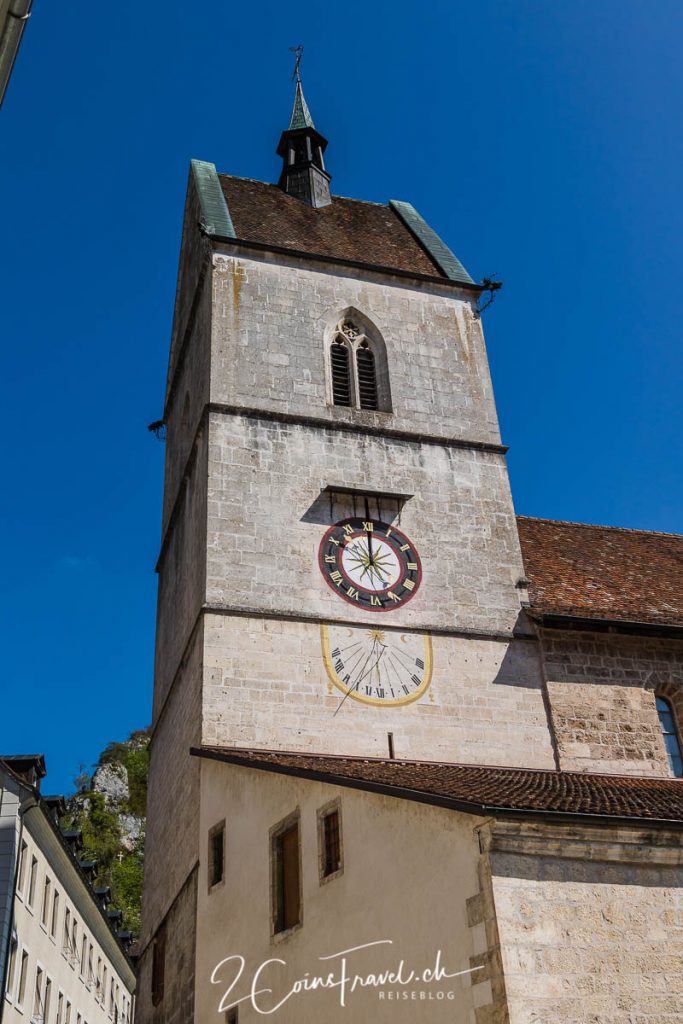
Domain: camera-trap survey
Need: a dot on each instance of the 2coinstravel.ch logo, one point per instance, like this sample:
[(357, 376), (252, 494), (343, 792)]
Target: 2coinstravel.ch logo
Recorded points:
[(268, 987)]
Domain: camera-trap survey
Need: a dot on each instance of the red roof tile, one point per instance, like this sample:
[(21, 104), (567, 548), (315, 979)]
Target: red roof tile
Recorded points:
[(477, 789), (603, 572), (346, 230)]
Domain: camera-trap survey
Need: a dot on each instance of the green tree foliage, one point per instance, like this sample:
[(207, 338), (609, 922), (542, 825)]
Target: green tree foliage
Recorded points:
[(102, 823)]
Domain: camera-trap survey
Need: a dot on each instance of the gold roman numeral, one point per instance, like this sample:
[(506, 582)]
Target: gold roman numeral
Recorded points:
[(337, 577), (409, 585), (412, 566)]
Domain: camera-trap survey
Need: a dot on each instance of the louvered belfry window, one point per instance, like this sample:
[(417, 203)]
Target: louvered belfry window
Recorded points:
[(341, 372), (367, 377), (354, 368)]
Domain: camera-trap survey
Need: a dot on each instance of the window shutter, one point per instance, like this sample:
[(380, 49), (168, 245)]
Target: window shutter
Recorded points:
[(290, 864), (367, 378), (287, 867), (341, 377)]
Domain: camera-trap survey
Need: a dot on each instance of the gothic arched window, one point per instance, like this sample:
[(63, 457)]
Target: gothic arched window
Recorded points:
[(672, 745), (340, 365), (358, 367)]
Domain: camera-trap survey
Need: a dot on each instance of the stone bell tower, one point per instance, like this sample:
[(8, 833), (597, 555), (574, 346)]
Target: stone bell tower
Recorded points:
[(339, 566)]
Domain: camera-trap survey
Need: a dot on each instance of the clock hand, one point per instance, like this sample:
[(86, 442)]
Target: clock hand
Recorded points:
[(372, 561), (363, 673)]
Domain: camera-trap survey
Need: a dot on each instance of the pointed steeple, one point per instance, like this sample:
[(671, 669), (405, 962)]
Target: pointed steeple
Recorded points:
[(301, 148), (301, 115)]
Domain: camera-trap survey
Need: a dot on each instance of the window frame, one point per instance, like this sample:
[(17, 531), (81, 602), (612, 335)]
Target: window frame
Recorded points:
[(278, 928), (674, 731), (54, 913), (11, 968), (21, 869), (331, 807), (22, 977), (158, 979), (354, 331), (217, 830), (32, 883)]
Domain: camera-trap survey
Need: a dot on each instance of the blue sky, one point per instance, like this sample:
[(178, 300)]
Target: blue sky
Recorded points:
[(541, 139)]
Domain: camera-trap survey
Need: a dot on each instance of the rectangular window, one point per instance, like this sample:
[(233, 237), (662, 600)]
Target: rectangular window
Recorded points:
[(330, 848), (216, 855), (158, 966), (90, 976), (84, 953), (45, 908), (67, 1013), (98, 984), (55, 914), (231, 1016), (287, 894), (21, 873), (66, 939), (46, 1001), (9, 987), (331, 843), (33, 877), (23, 975), (59, 1019), (38, 995)]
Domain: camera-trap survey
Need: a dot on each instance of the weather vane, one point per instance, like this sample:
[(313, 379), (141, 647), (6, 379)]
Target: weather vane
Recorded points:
[(298, 50)]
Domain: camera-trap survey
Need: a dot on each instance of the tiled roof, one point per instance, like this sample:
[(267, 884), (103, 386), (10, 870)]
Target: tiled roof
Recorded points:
[(346, 230), (603, 572), (477, 789)]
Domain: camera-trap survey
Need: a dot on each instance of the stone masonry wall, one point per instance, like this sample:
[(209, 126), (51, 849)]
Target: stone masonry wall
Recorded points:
[(177, 1005), (265, 685), (590, 923), (182, 575), (267, 515), (602, 693), (272, 319), (171, 844)]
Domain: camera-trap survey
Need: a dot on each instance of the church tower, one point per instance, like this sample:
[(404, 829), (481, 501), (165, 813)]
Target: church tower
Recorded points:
[(342, 631), (339, 569)]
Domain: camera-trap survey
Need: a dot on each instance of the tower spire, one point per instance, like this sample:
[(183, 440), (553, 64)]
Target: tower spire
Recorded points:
[(301, 115), (301, 148)]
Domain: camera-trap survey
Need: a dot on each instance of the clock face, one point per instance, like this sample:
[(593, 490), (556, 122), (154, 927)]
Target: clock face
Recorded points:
[(370, 564), (377, 666)]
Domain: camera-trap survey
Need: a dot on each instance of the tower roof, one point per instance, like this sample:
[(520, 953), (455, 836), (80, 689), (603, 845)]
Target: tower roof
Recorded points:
[(301, 115)]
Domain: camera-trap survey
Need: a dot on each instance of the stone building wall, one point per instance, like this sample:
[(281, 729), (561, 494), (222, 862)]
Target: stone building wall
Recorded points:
[(428, 855), (171, 844), (602, 692), (180, 922), (272, 320), (590, 921), (265, 685), (267, 516)]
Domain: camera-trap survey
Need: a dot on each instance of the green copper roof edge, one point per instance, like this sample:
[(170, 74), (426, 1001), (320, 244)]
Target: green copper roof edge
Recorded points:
[(437, 249), (216, 219)]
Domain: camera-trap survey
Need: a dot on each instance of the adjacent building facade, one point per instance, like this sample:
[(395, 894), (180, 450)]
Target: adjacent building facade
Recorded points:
[(390, 717), (61, 961)]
